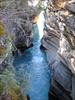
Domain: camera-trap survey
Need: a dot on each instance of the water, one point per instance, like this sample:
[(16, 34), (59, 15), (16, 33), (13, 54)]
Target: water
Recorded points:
[(32, 70)]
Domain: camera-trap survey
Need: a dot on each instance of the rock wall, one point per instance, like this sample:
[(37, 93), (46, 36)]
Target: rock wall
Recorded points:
[(59, 41), (16, 19), (17, 16)]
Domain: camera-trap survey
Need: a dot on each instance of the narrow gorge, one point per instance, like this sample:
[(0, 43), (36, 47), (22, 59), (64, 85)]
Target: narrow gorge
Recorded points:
[(37, 50)]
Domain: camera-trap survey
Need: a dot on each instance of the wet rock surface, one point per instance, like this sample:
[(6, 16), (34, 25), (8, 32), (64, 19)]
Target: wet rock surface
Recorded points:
[(59, 41)]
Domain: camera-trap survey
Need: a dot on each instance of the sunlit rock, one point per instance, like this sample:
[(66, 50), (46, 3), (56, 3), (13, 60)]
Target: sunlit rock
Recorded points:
[(59, 3)]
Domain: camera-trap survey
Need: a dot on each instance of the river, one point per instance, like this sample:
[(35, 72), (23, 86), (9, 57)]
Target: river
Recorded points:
[(32, 70)]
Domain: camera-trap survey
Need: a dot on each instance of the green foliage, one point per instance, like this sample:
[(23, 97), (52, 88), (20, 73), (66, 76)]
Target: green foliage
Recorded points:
[(2, 30), (8, 84), (6, 47), (1, 87)]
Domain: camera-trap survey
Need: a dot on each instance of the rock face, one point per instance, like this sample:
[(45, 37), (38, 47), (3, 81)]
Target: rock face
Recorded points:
[(59, 41), (15, 33), (71, 7), (18, 19), (23, 36)]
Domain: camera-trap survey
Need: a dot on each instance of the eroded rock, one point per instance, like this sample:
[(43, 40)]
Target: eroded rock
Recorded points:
[(59, 40)]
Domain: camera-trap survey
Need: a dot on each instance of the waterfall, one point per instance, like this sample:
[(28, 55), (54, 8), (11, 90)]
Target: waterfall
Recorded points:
[(40, 24)]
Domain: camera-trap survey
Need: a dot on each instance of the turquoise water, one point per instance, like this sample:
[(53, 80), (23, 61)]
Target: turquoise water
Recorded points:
[(32, 70)]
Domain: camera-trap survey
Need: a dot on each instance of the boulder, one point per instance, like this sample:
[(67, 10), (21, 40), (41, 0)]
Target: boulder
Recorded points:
[(23, 34)]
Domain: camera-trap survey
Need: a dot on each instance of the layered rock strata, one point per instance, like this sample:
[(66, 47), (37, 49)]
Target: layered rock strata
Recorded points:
[(59, 41), (18, 19)]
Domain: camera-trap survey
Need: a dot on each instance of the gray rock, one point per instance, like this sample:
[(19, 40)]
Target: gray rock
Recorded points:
[(23, 34), (56, 32), (63, 76), (71, 7), (70, 22), (73, 87)]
